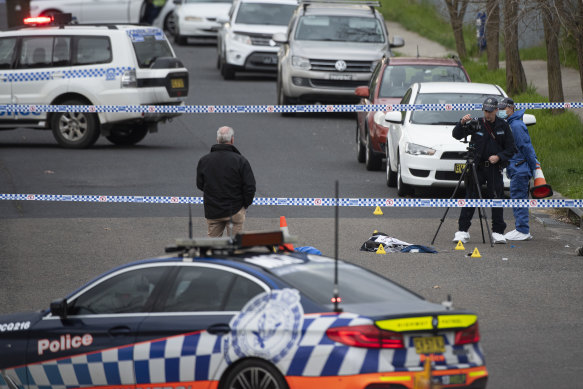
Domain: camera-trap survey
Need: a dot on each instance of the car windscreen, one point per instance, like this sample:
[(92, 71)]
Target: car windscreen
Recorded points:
[(339, 28), (265, 14), (445, 116), (149, 48), (397, 79), (356, 285)]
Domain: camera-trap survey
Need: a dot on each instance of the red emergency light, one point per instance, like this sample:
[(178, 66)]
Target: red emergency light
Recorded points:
[(38, 20)]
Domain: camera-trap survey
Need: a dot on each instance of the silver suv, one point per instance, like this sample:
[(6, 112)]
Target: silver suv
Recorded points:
[(330, 48)]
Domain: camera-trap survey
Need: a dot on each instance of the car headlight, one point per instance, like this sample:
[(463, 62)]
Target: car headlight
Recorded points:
[(245, 39), (193, 19), (414, 149), (301, 62)]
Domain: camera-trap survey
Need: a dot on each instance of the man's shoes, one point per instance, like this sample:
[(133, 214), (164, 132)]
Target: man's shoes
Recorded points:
[(462, 236), (517, 235), (498, 238)]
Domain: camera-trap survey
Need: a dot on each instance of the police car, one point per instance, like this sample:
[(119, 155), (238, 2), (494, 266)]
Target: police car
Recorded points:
[(112, 65), (221, 313)]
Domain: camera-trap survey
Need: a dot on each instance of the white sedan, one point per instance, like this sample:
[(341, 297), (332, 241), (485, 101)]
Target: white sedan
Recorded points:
[(421, 151), (103, 11), (199, 18)]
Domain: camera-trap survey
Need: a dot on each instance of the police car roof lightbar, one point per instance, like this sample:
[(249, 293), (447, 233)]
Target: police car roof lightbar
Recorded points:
[(241, 241), (352, 2), (59, 19)]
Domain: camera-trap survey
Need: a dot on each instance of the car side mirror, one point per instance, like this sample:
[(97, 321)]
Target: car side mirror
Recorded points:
[(362, 91), (529, 120), (279, 37), (379, 118), (397, 41), (394, 117), (59, 308)]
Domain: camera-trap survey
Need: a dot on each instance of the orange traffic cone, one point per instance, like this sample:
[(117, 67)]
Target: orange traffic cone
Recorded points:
[(284, 229), (541, 189)]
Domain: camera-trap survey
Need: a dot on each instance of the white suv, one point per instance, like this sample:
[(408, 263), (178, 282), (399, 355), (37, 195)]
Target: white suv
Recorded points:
[(244, 41), (115, 65)]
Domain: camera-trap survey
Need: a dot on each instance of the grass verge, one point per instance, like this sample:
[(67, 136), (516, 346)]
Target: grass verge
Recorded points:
[(557, 139)]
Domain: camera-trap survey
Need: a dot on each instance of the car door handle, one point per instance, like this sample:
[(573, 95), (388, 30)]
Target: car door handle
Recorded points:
[(57, 75), (119, 331), (219, 329)]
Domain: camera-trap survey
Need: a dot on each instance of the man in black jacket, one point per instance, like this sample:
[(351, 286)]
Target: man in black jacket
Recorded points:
[(228, 185), (492, 145)]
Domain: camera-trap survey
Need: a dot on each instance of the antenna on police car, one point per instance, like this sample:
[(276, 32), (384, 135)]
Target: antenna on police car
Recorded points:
[(189, 222), (336, 299)]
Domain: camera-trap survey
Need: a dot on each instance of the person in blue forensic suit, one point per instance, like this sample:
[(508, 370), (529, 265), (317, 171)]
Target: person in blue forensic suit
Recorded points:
[(521, 167)]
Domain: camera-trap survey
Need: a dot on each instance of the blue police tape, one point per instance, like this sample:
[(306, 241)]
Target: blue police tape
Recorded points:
[(15, 109), (311, 201)]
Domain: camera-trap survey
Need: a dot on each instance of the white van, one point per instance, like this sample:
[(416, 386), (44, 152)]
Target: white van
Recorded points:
[(114, 65)]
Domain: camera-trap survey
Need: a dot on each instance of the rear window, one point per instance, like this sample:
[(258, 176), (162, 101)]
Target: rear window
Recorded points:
[(265, 14), (397, 79), (356, 285), (93, 50), (149, 48), (340, 28), (447, 117)]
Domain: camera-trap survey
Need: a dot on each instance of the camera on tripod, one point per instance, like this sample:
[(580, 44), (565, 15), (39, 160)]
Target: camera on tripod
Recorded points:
[(472, 126)]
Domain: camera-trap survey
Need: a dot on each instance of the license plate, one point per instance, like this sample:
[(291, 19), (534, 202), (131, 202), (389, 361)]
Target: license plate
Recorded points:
[(429, 345), (459, 168), (177, 83), (455, 379), (341, 77)]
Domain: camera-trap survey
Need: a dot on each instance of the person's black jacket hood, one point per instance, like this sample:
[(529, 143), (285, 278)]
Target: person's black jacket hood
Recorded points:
[(227, 181)]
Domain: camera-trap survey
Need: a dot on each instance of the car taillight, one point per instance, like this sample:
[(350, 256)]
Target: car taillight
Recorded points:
[(128, 79), (468, 335), (367, 336), (38, 20)]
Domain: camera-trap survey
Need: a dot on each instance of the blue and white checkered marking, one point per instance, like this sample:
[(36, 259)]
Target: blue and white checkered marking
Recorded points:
[(107, 73), (312, 201), (100, 72)]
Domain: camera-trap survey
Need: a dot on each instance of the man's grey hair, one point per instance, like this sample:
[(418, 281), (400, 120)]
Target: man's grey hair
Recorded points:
[(225, 134)]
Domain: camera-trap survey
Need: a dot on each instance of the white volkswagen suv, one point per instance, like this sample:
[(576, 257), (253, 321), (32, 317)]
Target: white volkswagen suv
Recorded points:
[(244, 42), (420, 150), (113, 65)]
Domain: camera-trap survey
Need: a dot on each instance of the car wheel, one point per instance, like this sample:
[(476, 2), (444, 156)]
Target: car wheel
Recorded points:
[(360, 150), (282, 99), (227, 71), (402, 188), (371, 160), (75, 130), (126, 136), (391, 175), (179, 39), (170, 23), (254, 374)]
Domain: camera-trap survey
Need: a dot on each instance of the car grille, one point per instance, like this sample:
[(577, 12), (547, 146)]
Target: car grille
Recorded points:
[(454, 155), (262, 40), (351, 66), (336, 83)]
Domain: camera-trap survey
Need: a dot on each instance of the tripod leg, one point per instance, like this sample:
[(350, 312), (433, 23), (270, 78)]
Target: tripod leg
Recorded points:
[(477, 183), (459, 182), (481, 225)]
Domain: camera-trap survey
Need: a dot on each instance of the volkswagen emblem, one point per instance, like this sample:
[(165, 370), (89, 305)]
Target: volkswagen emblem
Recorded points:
[(340, 66)]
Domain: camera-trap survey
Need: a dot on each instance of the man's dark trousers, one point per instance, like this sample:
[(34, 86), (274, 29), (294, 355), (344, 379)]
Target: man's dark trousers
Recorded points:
[(492, 176)]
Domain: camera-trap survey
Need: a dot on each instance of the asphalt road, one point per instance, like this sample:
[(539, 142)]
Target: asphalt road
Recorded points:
[(528, 295)]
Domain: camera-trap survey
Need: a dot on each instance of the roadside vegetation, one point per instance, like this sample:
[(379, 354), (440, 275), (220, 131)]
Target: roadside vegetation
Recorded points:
[(557, 139)]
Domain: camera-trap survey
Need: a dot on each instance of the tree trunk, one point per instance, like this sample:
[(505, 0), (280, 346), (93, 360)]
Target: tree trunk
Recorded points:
[(515, 77), (551, 27), (493, 34), (571, 14), (457, 10)]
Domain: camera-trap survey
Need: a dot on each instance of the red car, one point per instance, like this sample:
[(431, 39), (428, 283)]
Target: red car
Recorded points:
[(389, 82)]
